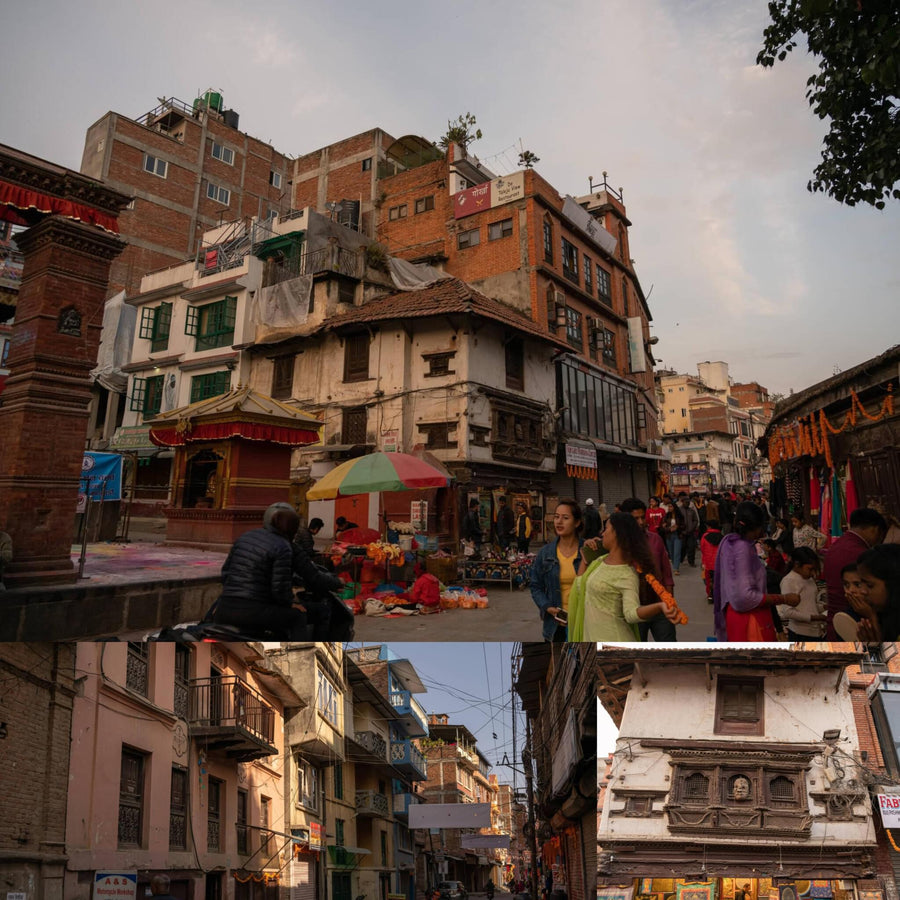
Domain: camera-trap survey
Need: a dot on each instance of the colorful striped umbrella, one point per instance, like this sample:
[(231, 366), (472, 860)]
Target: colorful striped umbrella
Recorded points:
[(377, 472)]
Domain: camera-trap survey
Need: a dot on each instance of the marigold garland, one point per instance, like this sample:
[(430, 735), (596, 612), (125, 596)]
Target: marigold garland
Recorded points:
[(264, 877), (809, 437), (381, 552), (664, 595), (891, 839)]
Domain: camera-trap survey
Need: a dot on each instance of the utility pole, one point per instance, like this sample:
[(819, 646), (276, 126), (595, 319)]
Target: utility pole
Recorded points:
[(529, 787)]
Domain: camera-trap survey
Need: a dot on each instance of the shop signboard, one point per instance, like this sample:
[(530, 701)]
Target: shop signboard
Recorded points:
[(390, 441), (450, 815), (576, 213), (889, 804), (418, 515), (101, 478), (485, 841), (585, 457), (117, 885), (132, 437), (636, 355), (316, 836), (498, 192)]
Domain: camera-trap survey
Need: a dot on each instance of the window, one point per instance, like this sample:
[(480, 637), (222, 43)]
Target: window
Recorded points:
[(739, 706), (307, 785), (367, 164), (609, 347), (384, 855), (328, 699), (346, 291), (266, 847), (588, 277), (214, 815), (439, 363), (696, 787), (570, 261), (213, 324), (625, 295), (283, 377), (781, 790), (338, 771), (468, 239), (218, 193), (275, 179), (131, 798), (424, 204), (573, 326), (356, 357), (397, 212), (209, 385), (497, 230), (548, 241), (223, 153), (339, 832), (515, 364), (182, 677), (438, 435), (604, 290), (178, 810), (243, 845), (155, 166), (155, 326), (146, 395), (353, 425)]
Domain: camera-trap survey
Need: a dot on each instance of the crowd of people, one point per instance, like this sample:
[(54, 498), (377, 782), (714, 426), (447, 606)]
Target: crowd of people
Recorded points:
[(765, 575)]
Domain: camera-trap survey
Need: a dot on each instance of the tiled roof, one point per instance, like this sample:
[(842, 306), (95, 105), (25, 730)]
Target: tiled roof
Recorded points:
[(241, 400), (449, 295)]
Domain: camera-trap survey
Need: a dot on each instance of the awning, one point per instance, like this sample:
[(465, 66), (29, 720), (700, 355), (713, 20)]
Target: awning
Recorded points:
[(24, 199), (279, 244)]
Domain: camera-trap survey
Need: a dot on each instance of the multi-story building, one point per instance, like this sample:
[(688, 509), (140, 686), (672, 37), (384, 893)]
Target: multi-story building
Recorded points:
[(731, 770), (11, 264), (557, 687), (38, 689), (392, 861), (189, 169), (563, 261), (177, 767)]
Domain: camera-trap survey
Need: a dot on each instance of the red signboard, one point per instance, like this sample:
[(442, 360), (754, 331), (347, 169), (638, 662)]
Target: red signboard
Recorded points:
[(472, 200)]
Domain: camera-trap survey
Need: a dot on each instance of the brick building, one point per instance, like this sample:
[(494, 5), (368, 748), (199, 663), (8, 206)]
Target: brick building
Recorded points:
[(188, 168), (37, 686)]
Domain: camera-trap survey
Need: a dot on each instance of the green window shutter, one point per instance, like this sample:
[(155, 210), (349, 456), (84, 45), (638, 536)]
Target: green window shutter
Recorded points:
[(229, 305), (138, 388), (161, 327), (148, 321), (221, 383), (192, 323), (196, 387), (153, 395)]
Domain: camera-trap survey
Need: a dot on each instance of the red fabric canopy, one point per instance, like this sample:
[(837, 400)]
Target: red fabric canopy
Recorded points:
[(170, 436), (22, 198)]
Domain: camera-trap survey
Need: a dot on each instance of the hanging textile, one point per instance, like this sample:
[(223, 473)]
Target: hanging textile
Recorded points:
[(824, 523), (852, 499), (815, 494), (836, 506)]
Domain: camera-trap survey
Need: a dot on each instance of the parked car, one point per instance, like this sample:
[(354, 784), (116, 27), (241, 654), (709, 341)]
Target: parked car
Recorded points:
[(452, 890)]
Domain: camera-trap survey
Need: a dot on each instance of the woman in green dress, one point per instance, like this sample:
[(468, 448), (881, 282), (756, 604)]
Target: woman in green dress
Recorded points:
[(606, 597)]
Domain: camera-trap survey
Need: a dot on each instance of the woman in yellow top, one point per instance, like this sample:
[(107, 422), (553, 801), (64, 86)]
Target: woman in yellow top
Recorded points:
[(605, 605)]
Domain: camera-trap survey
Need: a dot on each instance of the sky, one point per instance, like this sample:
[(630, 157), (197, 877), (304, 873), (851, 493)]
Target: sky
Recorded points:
[(471, 683), (739, 262)]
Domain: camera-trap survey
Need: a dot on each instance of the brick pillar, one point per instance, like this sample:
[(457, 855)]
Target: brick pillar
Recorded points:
[(43, 417)]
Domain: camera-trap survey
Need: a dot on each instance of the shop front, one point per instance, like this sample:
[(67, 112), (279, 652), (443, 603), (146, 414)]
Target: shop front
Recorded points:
[(755, 886)]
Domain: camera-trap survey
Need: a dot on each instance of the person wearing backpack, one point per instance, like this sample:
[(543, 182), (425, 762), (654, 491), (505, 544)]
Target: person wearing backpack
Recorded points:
[(523, 527)]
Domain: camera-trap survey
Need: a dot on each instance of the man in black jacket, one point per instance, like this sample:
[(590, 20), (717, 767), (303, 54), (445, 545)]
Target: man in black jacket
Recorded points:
[(258, 575)]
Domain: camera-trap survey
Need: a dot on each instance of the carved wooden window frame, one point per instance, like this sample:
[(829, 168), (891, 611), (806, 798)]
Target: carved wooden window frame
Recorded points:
[(748, 717)]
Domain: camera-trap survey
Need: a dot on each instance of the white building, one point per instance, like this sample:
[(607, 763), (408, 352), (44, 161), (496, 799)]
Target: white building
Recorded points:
[(733, 765)]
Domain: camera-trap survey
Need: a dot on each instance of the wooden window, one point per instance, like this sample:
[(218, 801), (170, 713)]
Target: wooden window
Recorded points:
[(214, 815), (353, 426), (178, 810), (548, 241), (212, 384), (439, 363), (438, 435), (182, 678), (781, 790), (588, 276), (243, 845), (424, 204), (266, 845), (356, 357), (213, 324), (502, 229), (468, 238), (573, 327), (515, 364), (338, 771), (570, 260), (638, 806), (137, 667), (155, 326), (609, 347), (384, 853), (339, 832), (739, 706), (131, 798), (283, 377), (147, 394), (696, 787), (397, 212), (604, 286)]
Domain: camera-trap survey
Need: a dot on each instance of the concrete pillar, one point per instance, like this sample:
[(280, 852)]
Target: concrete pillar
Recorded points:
[(44, 415)]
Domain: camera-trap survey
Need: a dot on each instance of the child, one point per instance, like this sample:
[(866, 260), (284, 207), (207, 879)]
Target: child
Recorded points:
[(879, 574), (709, 545), (806, 621)]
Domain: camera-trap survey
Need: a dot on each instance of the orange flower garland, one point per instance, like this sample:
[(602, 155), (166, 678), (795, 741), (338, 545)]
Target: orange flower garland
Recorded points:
[(809, 437), (891, 839), (664, 595)]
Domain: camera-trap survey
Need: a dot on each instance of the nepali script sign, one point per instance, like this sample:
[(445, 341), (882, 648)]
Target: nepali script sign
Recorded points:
[(889, 804)]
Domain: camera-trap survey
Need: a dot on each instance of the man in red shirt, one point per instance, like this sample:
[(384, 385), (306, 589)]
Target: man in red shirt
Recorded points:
[(867, 528), (659, 626)]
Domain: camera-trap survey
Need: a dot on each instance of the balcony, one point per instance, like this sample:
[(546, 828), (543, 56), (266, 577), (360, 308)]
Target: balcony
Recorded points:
[(408, 760), (228, 717), (402, 803), (411, 713), (345, 857), (371, 803), (373, 743)]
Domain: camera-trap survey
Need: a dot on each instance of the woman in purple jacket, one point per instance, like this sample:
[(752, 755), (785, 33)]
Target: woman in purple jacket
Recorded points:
[(743, 609)]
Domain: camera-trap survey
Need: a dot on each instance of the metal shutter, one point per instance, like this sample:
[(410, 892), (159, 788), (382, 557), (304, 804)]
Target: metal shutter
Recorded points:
[(303, 880)]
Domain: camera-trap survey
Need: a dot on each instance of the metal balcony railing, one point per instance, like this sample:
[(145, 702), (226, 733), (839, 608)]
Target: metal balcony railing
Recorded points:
[(404, 755), (406, 704), (373, 742), (228, 702), (372, 803), (333, 259)]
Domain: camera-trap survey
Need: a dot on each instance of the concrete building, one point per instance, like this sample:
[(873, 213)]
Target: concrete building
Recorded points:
[(35, 724), (731, 769), (188, 168), (557, 687), (177, 766)]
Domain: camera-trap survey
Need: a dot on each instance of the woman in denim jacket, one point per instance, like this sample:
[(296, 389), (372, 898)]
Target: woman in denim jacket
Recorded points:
[(555, 567)]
